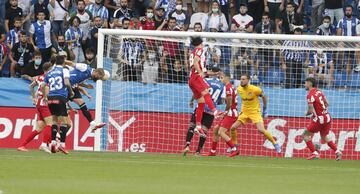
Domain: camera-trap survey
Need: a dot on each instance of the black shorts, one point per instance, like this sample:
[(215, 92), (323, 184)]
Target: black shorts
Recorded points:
[(57, 106), (77, 94), (207, 119)]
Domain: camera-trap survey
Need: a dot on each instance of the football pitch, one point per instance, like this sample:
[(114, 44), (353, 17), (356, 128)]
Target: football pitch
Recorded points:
[(36, 172)]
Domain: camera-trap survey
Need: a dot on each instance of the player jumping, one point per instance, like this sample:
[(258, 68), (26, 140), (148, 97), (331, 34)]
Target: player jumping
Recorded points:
[(44, 119), (321, 120), (250, 110), (230, 116), (79, 73), (56, 89), (217, 93), (198, 85)]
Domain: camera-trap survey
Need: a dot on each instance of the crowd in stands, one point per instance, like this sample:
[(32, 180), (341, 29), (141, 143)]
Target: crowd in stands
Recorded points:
[(31, 31)]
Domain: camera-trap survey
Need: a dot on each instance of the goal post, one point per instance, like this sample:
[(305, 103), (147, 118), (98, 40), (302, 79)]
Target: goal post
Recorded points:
[(145, 104)]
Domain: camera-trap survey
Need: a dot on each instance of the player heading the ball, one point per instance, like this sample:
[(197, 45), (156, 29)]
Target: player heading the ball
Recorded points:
[(198, 85)]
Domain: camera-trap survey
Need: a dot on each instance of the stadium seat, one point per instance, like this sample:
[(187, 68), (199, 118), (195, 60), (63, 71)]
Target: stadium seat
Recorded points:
[(5, 72), (274, 76), (354, 81), (340, 79)]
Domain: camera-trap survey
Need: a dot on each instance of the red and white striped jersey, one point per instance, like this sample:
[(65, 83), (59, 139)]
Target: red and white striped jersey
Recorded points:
[(231, 91), (39, 94), (197, 52)]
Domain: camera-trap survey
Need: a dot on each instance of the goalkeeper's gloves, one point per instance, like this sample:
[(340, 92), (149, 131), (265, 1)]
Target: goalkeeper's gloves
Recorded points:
[(264, 113)]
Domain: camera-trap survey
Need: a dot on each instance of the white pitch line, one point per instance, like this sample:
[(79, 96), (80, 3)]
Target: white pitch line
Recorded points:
[(190, 163)]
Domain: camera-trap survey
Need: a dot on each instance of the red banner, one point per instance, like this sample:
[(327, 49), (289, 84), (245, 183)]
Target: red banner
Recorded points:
[(17, 123), (166, 132)]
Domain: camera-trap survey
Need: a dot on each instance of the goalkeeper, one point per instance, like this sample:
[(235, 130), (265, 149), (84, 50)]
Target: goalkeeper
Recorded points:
[(250, 110), (217, 93)]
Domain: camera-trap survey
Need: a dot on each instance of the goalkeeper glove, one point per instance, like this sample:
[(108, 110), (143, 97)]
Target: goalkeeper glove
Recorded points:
[(264, 113)]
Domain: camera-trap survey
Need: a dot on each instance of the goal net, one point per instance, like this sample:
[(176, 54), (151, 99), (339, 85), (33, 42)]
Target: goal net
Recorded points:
[(146, 103)]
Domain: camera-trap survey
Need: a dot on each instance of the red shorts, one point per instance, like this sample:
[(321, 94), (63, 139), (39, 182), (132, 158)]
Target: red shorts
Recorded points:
[(42, 112), (315, 127), (197, 85), (227, 122)]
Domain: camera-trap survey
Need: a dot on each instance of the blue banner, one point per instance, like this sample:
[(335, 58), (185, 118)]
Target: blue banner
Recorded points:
[(135, 96)]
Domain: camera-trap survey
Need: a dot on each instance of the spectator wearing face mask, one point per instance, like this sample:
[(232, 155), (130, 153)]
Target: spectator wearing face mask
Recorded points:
[(216, 19), (151, 68), (147, 22), (21, 56), (182, 18), (34, 69), (326, 28), (62, 46), (242, 22)]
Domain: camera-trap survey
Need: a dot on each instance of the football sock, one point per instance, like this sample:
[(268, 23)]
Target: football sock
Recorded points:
[(86, 112), (47, 134), (199, 113), (201, 143), (234, 136), (269, 137), (230, 144), (54, 130), (30, 137), (209, 102), (332, 145), (311, 146), (213, 146), (63, 131), (189, 135)]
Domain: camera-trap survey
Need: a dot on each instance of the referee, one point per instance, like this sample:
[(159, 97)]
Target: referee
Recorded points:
[(292, 59)]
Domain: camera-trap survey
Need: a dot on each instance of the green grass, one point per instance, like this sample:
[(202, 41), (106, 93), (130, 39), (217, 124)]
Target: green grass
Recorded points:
[(85, 172)]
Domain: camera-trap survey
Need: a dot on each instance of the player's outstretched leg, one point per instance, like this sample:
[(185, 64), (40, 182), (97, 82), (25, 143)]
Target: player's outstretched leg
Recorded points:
[(29, 138), (267, 134), (307, 136), (333, 146), (233, 139), (39, 127)]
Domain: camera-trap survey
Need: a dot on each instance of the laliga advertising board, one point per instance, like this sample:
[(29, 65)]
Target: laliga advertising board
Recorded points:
[(135, 134), (17, 123)]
